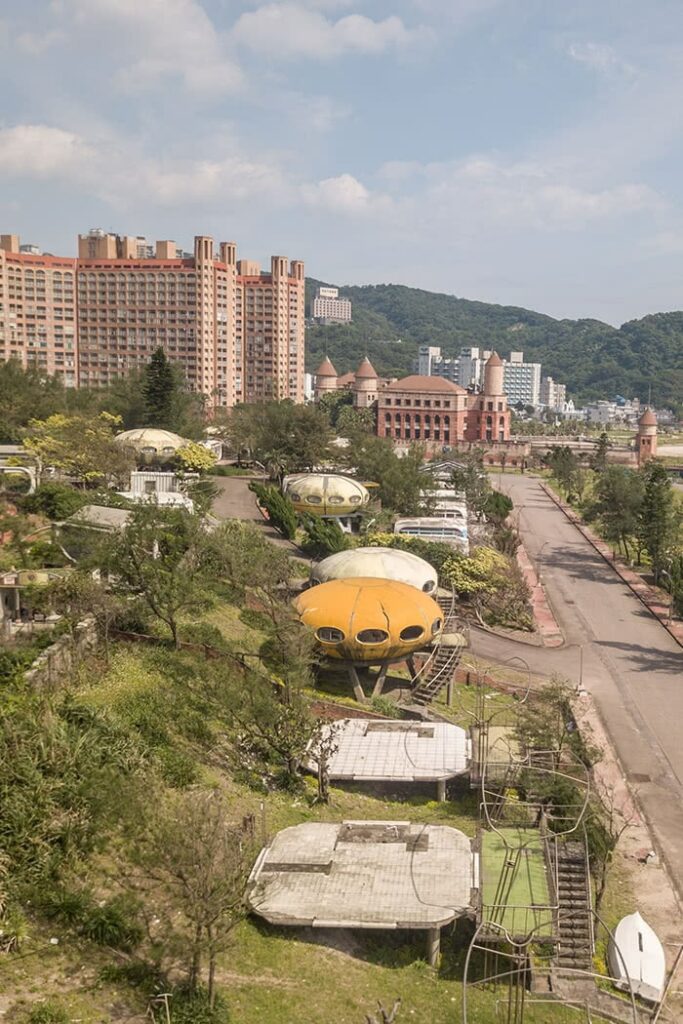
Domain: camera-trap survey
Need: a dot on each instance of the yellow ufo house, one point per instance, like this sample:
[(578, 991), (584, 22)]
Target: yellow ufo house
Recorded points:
[(380, 563), (325, 494), (368, 621)]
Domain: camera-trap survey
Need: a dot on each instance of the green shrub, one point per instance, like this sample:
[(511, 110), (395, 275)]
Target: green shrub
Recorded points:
[(56, 501), (281, 512), (113, 924), (203, 633), (434, 552), (68, 906), (137, 974), (193, 1008), (48, 1012), (45, 554), (323, 536), (177, 769)]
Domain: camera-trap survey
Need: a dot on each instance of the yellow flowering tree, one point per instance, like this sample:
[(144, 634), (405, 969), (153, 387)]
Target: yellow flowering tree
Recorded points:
[(79, 446), (195, 458)]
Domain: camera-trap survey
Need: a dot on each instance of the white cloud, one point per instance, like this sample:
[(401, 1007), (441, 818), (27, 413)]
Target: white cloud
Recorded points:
[(37, 43), (481, 191), (38, 151), (601, 58), (160, 39), (292, 30), (119, 172)]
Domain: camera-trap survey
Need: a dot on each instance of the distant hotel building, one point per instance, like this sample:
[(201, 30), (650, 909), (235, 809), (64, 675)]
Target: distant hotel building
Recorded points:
[(522, 381), (236, 331), (328, 308)]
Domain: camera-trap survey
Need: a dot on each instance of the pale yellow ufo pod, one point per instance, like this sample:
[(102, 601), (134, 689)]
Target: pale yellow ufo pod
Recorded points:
[(383, 563), (370, 620), (325, 494)]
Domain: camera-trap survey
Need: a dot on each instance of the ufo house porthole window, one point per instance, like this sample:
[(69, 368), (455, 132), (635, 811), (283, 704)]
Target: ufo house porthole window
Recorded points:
[(329, 635), (314, 499), (354, 499), (436, 626), (168, 451), (411, 633), (429, 585), (295, 497), (372, 636), (148, 450), (334, 499)]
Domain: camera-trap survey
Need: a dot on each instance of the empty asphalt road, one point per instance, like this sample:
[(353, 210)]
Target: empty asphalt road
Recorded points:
[(631, 666)]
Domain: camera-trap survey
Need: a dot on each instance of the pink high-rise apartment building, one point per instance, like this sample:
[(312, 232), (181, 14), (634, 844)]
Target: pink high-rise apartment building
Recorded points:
[(237, 332)]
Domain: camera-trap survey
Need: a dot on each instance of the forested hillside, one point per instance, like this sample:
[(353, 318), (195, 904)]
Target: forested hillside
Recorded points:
[(595, 359)]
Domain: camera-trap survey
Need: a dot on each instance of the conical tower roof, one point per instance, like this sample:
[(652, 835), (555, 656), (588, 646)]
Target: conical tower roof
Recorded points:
[(366, 369), (648, 419), (326, 369), (494, 360)]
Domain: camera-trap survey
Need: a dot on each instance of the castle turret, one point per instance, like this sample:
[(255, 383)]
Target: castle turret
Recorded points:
[(325, 379), (646, 438), (365, 385), (493, 375), (493, 415)]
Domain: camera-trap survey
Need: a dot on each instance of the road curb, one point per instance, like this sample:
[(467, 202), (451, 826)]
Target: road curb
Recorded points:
[(632, 580)]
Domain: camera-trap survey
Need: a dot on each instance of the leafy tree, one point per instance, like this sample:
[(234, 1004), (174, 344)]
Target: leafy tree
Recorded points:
[(272, 727), (201, 861), (54, 500), (159, 391), (497, 507), (82, 447), (280, 510), (322, 536), (24, 395), (598, 458), (494, 585), (404, 486), (656, 517), (334, 403), (160, 557), (618, 497), (195, 458), (565, 468), (352, 421), (472, 481), (286, 438)]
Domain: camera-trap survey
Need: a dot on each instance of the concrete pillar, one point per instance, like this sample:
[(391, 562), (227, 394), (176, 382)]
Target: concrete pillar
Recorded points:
[(358, 691), (379, 682), (441, 790), (433, 946)]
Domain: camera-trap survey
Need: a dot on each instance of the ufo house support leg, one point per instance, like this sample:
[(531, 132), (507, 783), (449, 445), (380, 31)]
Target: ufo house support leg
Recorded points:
[(441, 790), (410, 662), (379, 681), (433, 946), (358, 690)]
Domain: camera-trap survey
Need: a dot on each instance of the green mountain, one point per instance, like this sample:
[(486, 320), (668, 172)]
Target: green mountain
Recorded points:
[(594, 359)]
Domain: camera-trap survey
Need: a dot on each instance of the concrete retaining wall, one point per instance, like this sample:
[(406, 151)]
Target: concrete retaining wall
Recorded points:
[(57, 661)]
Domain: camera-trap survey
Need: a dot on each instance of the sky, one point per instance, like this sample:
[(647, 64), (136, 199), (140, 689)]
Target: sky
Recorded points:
[(524, 152)]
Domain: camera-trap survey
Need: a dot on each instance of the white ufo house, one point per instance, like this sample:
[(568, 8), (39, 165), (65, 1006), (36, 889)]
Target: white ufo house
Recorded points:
[(325, 494), (151, 442), (380, 563)]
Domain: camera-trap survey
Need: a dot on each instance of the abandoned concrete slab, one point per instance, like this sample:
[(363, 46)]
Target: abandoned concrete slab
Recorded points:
[(365, 874), (373, 750)]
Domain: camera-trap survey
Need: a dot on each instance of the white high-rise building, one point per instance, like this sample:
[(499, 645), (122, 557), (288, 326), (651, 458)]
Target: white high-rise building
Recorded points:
[(553, 394), (522, 381), (329, 308), (427, 356), (471, 367)]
